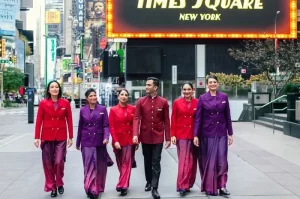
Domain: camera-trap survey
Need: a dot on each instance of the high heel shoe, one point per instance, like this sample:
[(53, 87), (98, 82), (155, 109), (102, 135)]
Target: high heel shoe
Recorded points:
[(61, 190), (54, 193)]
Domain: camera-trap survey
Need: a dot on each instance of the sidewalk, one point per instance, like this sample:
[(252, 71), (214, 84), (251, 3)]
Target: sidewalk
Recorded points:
[(261, 166)]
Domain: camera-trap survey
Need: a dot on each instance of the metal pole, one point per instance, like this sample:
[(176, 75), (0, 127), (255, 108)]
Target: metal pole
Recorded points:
[(2, 89), (73, 50), (254, 117), (275, 31), (273, 118)]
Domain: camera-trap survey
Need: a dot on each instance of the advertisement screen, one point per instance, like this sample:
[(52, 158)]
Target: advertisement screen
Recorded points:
[(202, 18)]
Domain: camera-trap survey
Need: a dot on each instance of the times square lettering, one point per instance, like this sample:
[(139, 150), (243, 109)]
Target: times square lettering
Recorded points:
[(210, 4)]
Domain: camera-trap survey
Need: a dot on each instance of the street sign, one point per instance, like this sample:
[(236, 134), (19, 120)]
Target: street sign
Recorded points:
[(4, 61), (174, 74), (243, 71), (201, 82)]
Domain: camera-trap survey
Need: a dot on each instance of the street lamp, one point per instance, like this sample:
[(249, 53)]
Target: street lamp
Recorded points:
[(276, 42), (74, 24)]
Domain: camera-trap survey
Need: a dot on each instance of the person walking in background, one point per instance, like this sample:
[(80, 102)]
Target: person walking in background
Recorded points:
[(92, 138), (182, 126), (152, 123), (213, 127), (120, 125), (51, 134)]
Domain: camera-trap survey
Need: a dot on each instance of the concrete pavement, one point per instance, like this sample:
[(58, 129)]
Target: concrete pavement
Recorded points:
[(261, 166)]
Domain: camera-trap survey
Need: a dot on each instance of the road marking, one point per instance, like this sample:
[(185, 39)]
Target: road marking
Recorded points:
[(8, 137), (14, 140)]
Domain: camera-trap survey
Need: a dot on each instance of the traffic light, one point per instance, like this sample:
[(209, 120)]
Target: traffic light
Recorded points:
[(15, 60), (2, 47)]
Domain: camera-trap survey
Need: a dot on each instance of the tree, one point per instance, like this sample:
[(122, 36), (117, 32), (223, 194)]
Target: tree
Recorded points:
[(27, 47), (13, 79), (261, 55)]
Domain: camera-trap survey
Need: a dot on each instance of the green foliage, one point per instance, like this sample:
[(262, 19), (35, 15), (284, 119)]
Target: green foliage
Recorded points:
[(228, 80), (292, 88), (13, 79), (261, 55)]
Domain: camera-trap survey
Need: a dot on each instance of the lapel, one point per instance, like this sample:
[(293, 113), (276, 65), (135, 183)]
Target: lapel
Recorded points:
[(50, 105), (95, 113), (185, 105), (210, 99), (219, 99)]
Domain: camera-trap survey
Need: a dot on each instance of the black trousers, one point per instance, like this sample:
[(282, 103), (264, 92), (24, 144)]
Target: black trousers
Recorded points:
[(152, 157)]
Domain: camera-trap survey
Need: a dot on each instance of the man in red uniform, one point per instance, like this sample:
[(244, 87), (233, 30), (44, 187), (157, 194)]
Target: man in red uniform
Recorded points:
[(152, 123)]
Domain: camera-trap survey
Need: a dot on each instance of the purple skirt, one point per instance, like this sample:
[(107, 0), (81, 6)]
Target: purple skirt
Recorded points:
[(213, 163), (53, 156), (187, 164), (95, 162)]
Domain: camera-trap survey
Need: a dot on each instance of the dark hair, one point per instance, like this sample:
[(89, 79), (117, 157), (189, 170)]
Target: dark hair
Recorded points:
[(155, 81), (122, 89), (188, 83), (89, 91), (48, 95), (212, 77)]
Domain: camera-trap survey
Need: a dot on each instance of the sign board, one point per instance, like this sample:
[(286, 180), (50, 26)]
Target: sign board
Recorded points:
[(52, 17), (51, 45), (201, 82), (174, 74), (243, 71), (201, 18)]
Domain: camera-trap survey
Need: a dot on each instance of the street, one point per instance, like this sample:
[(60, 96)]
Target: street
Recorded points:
[(262, 165)]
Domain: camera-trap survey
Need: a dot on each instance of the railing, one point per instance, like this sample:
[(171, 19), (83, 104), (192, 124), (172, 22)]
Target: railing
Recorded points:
[(273, 110)]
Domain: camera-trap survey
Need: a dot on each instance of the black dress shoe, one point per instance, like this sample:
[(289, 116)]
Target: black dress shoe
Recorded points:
[(224, 192), (182, 193), (155, 194), (61, 190), (148, 187), (123, 192), (54, 193)]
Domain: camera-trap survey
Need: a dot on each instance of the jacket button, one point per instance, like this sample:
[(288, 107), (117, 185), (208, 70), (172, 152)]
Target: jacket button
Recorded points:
[(57, 118), (184, 116), (190, 116), (94, 133), (57, 128), (217, 112), (89, 133), (52, 119), (52, 128), (190, 126), (217, 122)]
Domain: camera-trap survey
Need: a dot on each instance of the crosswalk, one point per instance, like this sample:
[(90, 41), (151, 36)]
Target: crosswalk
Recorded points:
[(13, 112)]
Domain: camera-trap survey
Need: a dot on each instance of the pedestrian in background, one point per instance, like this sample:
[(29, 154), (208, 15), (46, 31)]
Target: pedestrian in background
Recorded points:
[(214, 129), (182, 126), (92, 138), (120, 125), (152, 124), (51, 133)]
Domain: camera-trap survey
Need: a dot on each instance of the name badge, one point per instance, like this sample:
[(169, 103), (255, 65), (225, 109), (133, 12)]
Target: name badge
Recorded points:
[(63, 108), (159, 109), (195, 109), (223, 102), (101, 113)]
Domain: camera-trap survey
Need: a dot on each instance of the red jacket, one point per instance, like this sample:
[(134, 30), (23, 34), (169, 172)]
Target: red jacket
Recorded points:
[(182, 122), (151, 120), (51, 123), (120, 126)]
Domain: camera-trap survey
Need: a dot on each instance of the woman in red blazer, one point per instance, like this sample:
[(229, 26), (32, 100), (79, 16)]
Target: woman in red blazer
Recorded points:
[(120, 124), (182, 125), (51, 134)]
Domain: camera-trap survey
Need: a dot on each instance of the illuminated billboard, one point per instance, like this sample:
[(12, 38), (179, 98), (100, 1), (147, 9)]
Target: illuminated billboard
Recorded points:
[(52, 17), (202, 18)]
